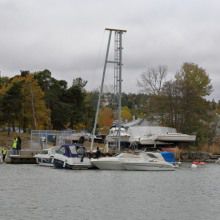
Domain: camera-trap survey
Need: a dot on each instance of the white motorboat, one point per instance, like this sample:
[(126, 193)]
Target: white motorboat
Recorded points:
[(71, 156), (45, 157), (140, 161)]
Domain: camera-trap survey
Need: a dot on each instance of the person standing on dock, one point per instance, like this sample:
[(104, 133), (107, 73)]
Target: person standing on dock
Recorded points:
[(97, 153), (4, 153), (18, 144), (14, 146)]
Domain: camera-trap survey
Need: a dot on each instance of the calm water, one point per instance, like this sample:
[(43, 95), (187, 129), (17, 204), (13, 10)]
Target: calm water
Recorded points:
[(29, 192)]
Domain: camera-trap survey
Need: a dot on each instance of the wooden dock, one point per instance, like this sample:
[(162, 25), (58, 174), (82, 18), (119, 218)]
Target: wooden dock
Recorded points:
[(24, 157)]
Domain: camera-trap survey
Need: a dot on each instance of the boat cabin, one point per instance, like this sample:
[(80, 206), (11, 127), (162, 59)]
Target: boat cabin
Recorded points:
[(71, 150)]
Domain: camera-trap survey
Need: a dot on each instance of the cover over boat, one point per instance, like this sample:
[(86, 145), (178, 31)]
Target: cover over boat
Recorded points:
[(72, 156)]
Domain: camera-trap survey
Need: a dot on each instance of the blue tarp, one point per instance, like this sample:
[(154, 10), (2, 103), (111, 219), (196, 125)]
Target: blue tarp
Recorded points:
[(169, 157)]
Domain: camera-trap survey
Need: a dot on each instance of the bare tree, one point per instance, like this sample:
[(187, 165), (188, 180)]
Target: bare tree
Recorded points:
[(152, 80)]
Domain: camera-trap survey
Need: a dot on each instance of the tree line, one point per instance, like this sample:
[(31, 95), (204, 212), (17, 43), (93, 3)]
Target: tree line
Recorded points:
[(39, 101)]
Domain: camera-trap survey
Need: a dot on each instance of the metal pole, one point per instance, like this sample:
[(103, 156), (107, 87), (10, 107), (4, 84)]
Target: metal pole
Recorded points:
[(101, 90), (120, 89)]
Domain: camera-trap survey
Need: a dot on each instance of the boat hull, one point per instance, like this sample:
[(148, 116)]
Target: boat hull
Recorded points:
[(107, 165), (44, 161), (176, 138), (147, 166), (61, 164)]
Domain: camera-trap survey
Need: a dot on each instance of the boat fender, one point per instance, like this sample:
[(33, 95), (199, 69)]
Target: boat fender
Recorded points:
[(52, 159), (64, 164)]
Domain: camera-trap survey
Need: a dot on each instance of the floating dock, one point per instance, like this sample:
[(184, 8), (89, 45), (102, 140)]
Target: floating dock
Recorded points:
[(24, 157)]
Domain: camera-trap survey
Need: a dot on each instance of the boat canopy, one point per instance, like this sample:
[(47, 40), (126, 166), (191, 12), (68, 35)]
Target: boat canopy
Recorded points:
[(73, 150)]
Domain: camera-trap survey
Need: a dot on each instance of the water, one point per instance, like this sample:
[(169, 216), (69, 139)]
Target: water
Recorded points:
[(33, 192)]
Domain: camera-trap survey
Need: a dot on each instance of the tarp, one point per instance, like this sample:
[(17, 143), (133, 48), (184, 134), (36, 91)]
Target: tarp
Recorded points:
[(168, 157)]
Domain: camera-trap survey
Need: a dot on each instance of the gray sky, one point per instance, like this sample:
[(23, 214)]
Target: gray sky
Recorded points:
[(68, 38)]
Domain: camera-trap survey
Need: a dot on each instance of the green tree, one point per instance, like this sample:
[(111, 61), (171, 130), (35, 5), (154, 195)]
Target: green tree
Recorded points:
[(54, 92), (75, 97), (11, 104)]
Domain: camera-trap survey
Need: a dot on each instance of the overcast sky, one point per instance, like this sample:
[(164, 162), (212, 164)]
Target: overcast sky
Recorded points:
[(68, 38)]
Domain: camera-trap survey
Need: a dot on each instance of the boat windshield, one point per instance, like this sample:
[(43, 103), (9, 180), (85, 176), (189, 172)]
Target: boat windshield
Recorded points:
[(151, 155), (127, 155), (44, 151), (61, 150), (73, 149)]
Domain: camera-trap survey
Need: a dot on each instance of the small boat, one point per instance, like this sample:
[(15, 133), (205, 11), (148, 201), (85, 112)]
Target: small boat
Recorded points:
[(71, 156), (198, 163), (141, 161), (45, 157)]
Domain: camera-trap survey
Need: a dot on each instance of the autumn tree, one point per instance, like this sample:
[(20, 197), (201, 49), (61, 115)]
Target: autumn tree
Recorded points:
[(105, 118), (126, 114), (22, 103), (35, 114)]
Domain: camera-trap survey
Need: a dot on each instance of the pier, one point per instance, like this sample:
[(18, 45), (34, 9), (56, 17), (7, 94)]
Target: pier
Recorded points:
[(24, 157)]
